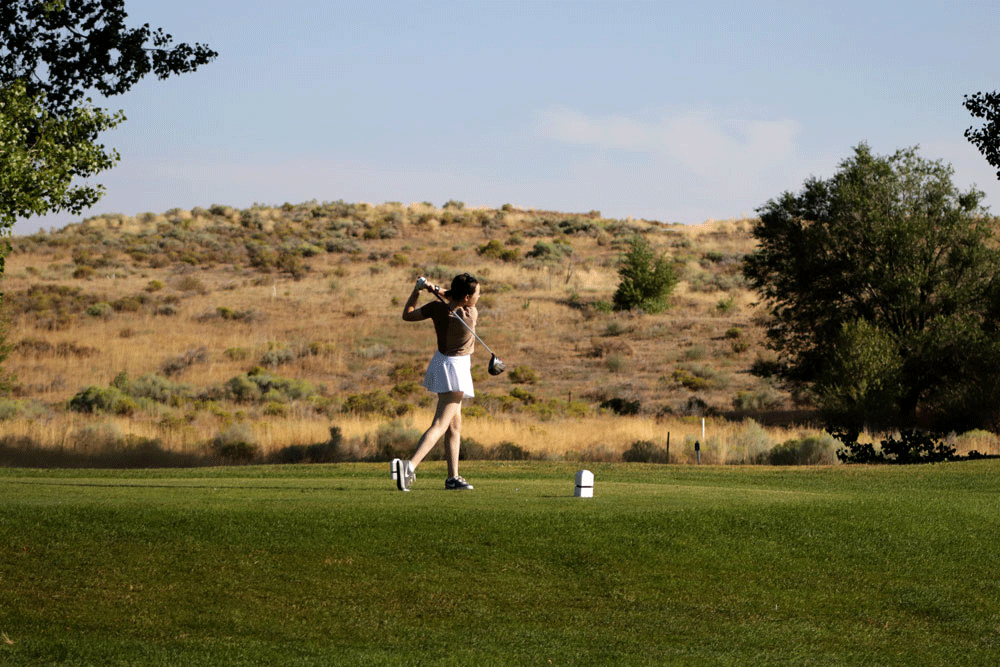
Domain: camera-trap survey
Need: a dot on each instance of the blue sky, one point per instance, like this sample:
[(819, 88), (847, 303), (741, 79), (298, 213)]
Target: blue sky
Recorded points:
[(670, 111)]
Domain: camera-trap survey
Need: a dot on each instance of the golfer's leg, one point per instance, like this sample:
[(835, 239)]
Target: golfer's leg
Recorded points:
[(452, 440), (448, 404)]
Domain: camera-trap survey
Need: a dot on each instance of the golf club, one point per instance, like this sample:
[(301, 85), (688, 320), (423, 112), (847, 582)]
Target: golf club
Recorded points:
[(496, 367)]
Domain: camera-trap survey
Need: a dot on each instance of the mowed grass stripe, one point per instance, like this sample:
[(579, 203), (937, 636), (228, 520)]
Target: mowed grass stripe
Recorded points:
[(666, 565)]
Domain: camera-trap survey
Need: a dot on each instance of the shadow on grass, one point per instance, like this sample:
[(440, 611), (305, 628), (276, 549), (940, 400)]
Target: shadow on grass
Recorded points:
[(22, 452), (112, 451)]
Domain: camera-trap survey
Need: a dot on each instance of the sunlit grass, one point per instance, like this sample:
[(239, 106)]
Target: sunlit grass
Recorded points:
[(666, 565)]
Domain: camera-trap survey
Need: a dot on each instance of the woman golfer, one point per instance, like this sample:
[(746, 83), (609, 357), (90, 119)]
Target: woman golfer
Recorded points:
[(449, 372)]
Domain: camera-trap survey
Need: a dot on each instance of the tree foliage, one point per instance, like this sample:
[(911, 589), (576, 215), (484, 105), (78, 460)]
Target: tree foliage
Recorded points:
[(38, 173), (646, 280), (986, 138), (52, 54), (882, 283), (860, 381), (64, 48), (908, 447)]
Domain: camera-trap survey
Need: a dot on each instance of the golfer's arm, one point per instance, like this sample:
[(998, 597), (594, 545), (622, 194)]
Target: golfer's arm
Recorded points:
[(410, 311)]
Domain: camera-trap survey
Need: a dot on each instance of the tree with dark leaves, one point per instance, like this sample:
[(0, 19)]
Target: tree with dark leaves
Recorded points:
[(986, 138), (53, 53), (62, 49), (883, 284)]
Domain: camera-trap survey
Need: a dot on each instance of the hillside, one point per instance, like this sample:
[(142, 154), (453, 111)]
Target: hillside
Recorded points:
[(267, 326)]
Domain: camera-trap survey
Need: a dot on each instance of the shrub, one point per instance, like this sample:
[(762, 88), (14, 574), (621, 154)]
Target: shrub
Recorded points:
[(373, 351), (645, 451), (97, 437), (695, 353), (616, 328), (404, 371), (165, 309), (396, 440), (523, 375), (225, 313), (291, 262), (615, 363), (56, 300), (495, 250), (688, 379), (155, 388), (740, 346), (550, 251), (761, 399), (174, 365), (807, 450), (102, 447), (508, 451), (277, 356), (191, 284), (523, 395), (9, 409), (646, 280), (748, 444), (275, 409), (236, 445), (101, 309), (130, 304), (274, 387), (242, 389), (605, 348), (236, 354), (97, 400), (696, 406), (726, 306), (404, 389), (622, 406), (373, 402), (340, 245)]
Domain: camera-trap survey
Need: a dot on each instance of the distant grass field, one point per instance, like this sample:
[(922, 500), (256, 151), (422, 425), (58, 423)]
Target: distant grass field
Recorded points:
[(666, 565)]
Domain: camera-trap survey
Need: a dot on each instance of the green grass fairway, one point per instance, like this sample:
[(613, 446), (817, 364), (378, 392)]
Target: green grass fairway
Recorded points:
[(666, 565)]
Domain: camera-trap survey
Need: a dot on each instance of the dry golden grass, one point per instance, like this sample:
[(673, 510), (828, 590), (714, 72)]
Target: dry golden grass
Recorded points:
[(545, 317)]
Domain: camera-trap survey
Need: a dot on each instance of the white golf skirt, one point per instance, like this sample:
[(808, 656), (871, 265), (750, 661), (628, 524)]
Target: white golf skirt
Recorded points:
[(446, 374)]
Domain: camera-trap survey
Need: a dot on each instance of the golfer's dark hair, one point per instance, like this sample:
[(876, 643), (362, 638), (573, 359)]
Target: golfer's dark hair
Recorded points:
[(462, 285)]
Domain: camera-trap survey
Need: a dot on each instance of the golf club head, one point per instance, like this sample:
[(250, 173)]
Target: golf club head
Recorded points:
[(496, 366)]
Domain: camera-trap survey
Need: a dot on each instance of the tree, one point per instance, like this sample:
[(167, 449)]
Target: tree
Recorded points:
[(987, 137), (646, 280), (52, 54), (63, 49), (37, 173), (860, 382), (883, 285)]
